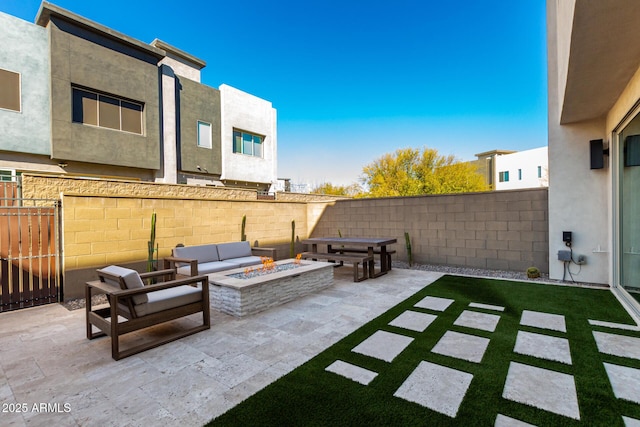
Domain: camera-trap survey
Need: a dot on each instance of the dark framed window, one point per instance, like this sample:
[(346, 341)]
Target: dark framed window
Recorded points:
[(503, 176), (247, 143), (10, 90), (107, 111)]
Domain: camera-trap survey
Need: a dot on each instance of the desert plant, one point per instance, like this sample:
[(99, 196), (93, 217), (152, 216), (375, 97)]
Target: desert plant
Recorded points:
[(152, 246), (292, 245), (533, 272), (407, 240), (243, 236)]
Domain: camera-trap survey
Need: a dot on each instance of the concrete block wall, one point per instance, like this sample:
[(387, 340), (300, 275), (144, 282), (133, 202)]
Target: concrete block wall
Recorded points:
[(104, 230), (501, 230)]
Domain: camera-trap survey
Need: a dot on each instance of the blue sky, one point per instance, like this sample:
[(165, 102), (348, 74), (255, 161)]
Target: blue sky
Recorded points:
[(353, 80)]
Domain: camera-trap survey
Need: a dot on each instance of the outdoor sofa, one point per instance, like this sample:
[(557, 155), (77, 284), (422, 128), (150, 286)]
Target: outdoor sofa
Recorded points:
[(214, 257)]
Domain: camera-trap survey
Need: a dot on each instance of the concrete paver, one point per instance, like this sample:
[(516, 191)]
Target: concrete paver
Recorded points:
[(543, 347), (436, 387), (413, 321)]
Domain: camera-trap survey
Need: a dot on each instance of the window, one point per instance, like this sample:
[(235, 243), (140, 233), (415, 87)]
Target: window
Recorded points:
[(503, 176), (204, 134), (247, 143), (539, 171), (106, 111), (519, 174), (7, 175), (9, 90)]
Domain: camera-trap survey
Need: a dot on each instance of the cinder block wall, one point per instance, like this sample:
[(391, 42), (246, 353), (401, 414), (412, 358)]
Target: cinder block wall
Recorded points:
[(504, 230), (104, 230)]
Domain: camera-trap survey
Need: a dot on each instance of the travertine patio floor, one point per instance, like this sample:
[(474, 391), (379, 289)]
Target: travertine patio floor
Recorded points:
[(53, 375), (46, 359)]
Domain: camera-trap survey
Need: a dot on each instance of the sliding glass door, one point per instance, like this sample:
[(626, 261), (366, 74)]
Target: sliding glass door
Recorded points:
[(628, 195)]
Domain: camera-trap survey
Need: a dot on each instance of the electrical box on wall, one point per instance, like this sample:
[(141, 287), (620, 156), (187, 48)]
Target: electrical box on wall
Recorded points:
[(564, 255), (567, 237)]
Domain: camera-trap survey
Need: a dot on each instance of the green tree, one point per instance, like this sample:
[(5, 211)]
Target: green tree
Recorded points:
[(411, 172), (352, 190)]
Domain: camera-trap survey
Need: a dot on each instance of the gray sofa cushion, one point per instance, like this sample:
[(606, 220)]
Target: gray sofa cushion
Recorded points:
[(233, 250), (166, 299), (131, 280), (207, 267), (202, 253), (245, 261)]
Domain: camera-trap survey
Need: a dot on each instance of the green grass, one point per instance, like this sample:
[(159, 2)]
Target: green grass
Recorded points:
[(310, 396)]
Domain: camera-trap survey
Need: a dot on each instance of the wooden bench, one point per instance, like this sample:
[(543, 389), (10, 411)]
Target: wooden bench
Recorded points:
[(366, 261), (141, 306), (364, 251)]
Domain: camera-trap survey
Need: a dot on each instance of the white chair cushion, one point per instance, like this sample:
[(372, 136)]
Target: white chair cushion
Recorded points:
[(166, 299), (131, 280)]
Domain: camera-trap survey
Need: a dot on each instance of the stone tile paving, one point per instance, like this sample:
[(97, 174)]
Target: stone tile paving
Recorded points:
[(554, 322), (504, 421), (462, 346), (548, 390), (383, 345), (543, 347), (614, 325), (436, 387), (475, 320), (353, 372), (617, 345), (434, 303), (624, 381), (630, 422), (486, 306), (413, 321)]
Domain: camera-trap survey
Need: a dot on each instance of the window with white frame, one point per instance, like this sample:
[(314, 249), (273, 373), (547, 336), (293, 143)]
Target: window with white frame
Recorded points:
[(10, 90), (503, 176), (247, 143), (107, 111), (204, 134)]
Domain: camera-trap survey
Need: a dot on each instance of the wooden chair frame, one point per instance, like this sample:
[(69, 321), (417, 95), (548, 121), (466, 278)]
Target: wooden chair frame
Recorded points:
[(121, 304)]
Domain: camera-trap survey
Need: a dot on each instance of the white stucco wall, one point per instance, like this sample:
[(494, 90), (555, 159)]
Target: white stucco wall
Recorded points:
[(579, 198), (243, 111), (527, 162), (25, 50)]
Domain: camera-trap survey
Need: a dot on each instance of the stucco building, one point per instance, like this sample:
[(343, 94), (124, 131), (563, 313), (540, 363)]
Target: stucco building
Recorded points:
[(594, 95), (511, 170), (80, 98)]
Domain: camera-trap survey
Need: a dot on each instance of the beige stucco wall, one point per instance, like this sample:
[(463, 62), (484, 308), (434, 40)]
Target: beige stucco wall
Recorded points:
[(579, 198)]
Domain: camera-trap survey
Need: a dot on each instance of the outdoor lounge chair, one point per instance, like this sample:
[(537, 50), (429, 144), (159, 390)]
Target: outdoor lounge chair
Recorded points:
[(141, 306)]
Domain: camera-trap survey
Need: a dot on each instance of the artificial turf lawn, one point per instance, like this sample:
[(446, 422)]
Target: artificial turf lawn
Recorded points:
[(310, 396)]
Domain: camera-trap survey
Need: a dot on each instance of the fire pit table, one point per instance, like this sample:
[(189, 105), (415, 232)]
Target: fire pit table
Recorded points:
[(245, 291)]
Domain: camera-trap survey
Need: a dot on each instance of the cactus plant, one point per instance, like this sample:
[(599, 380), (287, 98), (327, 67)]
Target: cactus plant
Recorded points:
[(292, 246), (152, 247), (533, 272), (243, 236), (408, 245)]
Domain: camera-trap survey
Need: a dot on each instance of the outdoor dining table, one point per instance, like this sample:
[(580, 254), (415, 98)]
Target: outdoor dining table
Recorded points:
[(370, 243)]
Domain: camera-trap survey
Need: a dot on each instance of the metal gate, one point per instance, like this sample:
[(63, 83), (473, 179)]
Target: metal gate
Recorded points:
[(30, 271)]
